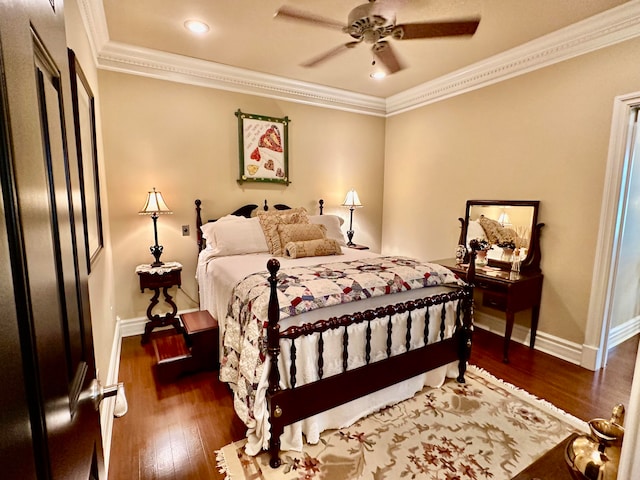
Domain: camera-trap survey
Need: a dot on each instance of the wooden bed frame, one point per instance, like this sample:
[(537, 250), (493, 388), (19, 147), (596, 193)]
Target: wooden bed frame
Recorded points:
[(290, 405)]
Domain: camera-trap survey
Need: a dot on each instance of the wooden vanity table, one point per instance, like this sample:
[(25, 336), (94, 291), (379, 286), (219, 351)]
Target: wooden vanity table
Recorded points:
[(507, 292), (502, 224)]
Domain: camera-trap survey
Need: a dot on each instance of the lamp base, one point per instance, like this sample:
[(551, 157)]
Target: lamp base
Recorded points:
[(156, 251), (350, 237)]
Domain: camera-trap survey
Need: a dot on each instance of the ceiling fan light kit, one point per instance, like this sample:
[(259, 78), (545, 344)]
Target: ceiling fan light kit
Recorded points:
[(372, 23)]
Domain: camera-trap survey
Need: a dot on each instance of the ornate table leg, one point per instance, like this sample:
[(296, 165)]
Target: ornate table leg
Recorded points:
[(155, 321)]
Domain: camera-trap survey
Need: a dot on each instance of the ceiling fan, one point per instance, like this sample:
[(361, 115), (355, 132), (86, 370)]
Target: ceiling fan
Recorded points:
[(374, 23)]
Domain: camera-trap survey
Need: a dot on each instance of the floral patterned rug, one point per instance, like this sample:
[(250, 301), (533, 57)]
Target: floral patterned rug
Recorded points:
[(484, 429)]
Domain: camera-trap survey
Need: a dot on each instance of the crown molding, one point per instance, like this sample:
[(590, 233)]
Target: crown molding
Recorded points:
[(95, 24), (178, 68), (605, 29)]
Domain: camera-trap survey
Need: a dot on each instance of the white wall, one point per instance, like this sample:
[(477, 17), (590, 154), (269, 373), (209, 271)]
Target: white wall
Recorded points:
[(183, 140), (540, 136)]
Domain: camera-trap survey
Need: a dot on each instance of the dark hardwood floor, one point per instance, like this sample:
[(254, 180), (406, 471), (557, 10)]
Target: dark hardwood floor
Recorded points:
[(172, 430)]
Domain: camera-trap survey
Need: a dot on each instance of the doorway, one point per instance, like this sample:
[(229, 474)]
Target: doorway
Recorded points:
[(616, 257), (618, 199)]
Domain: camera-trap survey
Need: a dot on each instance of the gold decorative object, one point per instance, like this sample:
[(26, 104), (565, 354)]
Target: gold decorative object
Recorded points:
[(597, 456)]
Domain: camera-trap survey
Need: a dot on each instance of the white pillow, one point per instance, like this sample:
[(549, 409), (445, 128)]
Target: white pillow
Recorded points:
[(332, 223), (236, 237), (475, 230), (208, 229), (207, 233)]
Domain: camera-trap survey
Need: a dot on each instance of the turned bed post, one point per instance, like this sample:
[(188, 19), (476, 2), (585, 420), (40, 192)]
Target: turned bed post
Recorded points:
[(273, 347), (466, 332), (198, 225)]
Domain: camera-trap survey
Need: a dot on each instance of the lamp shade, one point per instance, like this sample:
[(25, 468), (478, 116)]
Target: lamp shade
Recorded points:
[(504, 219), (155, 204), (352, 200)]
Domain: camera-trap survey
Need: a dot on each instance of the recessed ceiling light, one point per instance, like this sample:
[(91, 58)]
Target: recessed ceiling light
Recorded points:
[(196, 26), (378, 75)]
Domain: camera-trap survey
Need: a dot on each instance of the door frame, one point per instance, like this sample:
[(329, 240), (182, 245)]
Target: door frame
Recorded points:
[(596, 343)]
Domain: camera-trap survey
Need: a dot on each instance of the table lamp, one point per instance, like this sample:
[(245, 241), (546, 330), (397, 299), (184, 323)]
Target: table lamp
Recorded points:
[(352, 201), (155, 206)]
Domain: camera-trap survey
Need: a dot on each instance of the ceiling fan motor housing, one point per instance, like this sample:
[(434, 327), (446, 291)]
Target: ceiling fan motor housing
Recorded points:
[(366, 23)]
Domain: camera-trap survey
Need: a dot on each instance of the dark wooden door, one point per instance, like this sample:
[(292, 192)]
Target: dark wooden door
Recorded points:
[(49, 424)]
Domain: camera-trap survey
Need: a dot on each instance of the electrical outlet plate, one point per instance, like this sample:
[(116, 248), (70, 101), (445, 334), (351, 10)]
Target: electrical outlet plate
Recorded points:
[(185, 230)]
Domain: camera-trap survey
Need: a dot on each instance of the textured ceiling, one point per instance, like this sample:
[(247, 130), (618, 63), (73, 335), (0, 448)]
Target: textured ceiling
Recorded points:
[(244, 34)]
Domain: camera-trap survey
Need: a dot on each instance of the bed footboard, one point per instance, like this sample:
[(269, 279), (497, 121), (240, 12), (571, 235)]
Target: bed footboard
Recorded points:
[(290, 405)]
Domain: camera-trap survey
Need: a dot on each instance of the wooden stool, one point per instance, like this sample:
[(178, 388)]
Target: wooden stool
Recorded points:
[(195, 350), (201, 333)]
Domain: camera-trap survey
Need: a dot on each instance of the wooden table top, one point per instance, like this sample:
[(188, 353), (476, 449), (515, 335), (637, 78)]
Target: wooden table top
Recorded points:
[(551, 466)]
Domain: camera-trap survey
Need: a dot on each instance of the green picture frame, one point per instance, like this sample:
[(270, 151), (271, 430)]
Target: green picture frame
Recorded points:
[(263, 148)]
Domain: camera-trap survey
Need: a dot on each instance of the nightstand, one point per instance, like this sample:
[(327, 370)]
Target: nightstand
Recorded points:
[(155, 278), (358, 247)]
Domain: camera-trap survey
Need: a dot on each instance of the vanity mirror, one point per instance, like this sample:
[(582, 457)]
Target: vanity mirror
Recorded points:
[(510, 229)]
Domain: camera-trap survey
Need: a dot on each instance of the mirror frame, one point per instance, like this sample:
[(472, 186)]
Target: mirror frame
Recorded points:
[(531, 263)]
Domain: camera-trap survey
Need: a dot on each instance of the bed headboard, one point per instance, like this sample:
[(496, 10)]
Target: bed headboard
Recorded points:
[(244, 211)]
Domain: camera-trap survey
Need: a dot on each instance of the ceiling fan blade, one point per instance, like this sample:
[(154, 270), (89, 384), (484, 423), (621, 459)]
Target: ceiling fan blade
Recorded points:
[(410, 31), (288, 13), (330, 54), (385, 54)]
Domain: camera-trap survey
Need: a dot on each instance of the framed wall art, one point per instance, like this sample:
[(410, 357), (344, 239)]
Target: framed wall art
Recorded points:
[(85, 130), (264, 148)]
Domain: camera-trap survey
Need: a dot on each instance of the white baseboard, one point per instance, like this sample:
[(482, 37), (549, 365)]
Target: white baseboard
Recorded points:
[(624, 332), (135, 326), (556, 346), (592, 357), (132, 326)]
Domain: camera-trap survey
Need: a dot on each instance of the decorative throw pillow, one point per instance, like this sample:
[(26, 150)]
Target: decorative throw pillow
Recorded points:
[(491, 228), (333, 224), (269, 222), (298, 232), (313, 248), (507, 235), (496, 233)]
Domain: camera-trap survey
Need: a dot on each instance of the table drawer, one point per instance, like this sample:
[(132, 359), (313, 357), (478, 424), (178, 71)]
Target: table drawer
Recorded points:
[(495, 300), (493, 285), (151, 280)]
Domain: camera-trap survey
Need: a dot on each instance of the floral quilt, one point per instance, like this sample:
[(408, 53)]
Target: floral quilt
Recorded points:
[(302, 289)]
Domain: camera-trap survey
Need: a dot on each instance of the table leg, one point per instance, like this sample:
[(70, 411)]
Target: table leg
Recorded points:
[(169, 318), (507, 335), (535, 314)]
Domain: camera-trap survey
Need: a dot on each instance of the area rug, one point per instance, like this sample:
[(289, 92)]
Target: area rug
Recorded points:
[(484, 429)]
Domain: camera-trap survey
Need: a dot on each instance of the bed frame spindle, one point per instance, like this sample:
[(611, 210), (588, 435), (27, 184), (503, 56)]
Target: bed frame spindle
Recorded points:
[(408, 337), (320, 356), (443, 317), (427, 319), (345, 349), (293, 370)]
